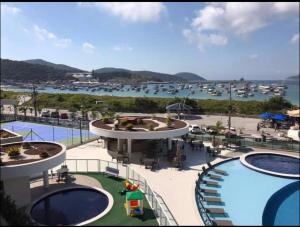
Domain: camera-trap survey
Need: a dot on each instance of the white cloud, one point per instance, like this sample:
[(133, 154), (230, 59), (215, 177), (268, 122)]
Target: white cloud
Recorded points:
[(238, 18), (6, 9), (122, 48), (44, 35), (132, 11), (202, 39), (295, 38), (88, 48)]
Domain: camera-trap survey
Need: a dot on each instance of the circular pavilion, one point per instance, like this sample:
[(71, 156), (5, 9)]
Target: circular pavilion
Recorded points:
[(129, 134), (21, 161)]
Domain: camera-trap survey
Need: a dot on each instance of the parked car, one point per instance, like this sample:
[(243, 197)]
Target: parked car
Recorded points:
[(54, 114), (45, 113), (64, 116), (194, 129)]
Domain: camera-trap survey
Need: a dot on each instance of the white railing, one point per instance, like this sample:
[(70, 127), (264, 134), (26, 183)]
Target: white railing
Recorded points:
[(159, 207)]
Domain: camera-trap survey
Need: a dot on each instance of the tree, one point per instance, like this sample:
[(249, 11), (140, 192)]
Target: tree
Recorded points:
[(217, 130)]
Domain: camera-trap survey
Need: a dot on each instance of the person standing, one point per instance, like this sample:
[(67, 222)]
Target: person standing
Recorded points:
[(257, 127)]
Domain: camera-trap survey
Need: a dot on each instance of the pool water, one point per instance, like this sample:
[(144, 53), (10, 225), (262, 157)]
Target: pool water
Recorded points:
[(275, 163), (64, 135), (245, 193), (283, 206), (69, 207)]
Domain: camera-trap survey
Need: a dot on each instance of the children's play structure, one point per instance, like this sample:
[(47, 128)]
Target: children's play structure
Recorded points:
[(134, 203), (129, 187)]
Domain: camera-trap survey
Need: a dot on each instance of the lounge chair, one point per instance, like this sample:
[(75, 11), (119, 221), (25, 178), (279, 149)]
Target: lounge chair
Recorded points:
[(211, 183), (215, 210), (214, 177), (222, 222), (219, 171), (211, 199), (209, 191)]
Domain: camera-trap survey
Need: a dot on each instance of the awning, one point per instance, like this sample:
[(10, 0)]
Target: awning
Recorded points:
[(293, 113)]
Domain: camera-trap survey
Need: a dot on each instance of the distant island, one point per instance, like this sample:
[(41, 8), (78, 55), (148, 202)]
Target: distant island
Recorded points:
[(39, 70), (293, 78)]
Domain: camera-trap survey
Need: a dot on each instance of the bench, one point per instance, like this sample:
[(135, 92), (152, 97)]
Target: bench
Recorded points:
[(112, 171)]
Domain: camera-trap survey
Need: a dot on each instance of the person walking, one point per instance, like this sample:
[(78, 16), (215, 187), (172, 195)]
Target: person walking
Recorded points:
[(258, 127)]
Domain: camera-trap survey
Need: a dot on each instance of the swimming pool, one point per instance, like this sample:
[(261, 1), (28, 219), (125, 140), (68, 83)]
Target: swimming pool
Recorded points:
[(281, 208), (245, 193), (64, 135), (71, 207), (277, 163)]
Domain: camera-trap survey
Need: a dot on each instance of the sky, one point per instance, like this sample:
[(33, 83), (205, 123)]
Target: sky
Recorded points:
[(214, 40)]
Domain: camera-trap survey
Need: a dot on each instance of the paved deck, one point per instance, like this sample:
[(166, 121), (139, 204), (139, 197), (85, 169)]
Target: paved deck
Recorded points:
[(175, 187)]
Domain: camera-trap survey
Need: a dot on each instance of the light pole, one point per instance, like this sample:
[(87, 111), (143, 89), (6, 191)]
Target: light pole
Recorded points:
[(34, 99)]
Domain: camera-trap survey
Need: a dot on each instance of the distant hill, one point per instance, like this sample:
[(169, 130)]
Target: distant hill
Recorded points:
[(119, 74), (189, 76), (294, 78), (56, 66), (40, 70), (23, 71)]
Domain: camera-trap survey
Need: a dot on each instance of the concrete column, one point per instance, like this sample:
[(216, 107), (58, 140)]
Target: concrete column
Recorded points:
[(129, 142), (169, 144), (46, 179), (119, 145), (105, 143)]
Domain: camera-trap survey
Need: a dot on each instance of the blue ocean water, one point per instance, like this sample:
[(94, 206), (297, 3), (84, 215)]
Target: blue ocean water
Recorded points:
[(292, 92)]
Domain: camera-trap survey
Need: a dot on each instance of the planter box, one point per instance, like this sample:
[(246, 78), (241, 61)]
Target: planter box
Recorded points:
[(14, 138)]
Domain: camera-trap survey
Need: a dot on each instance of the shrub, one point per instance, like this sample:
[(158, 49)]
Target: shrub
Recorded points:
[(44, 154), (26, 145), (105, 120), (151, 127), (124, 122), (13, 152), (139, 121), (169, 121), (129, 126)]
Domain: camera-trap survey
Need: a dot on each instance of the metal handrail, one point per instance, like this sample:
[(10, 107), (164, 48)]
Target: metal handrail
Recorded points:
[(149, 193)]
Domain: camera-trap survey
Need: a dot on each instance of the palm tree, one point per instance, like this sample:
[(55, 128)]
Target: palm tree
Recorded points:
[(217, 130)]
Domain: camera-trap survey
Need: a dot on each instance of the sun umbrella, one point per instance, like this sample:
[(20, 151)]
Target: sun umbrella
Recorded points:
[(279, 117), (266, 115)]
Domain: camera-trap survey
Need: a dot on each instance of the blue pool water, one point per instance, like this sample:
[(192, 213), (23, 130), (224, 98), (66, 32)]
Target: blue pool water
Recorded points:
[(69, 207), (275, 163), (283, 206), (245, 193), (67, 136)]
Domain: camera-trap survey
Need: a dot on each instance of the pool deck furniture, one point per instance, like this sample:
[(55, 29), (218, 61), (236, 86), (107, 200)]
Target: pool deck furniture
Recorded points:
[(112, 171), (211, 199), (222, 222), (214, 177), (209, 191), (215, 210), (62, 173), (219, 171), (211, 183)]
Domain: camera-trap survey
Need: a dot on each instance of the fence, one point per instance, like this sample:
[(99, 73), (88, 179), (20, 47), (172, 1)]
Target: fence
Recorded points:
[(159, 207), (68, 132), (251, 142), (84, 124)]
